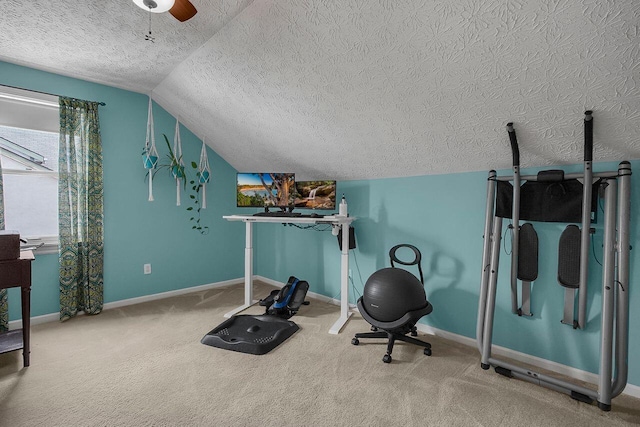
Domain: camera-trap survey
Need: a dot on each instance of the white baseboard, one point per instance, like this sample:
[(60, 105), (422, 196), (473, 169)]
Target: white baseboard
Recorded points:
[(52, 317), (162, 295), (45, 318), (630, 389)]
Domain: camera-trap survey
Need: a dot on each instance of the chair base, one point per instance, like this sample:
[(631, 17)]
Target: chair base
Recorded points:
[(392, 337)]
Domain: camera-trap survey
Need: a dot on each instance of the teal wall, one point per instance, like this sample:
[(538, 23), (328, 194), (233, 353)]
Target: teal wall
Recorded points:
[(443, 215), (138, 231)]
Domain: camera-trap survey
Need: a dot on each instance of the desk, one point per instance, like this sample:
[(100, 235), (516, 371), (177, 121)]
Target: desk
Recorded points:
[(340, 221), (17, 273)]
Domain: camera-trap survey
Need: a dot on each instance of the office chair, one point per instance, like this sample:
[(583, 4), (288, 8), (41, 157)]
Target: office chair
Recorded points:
[(392, 302)]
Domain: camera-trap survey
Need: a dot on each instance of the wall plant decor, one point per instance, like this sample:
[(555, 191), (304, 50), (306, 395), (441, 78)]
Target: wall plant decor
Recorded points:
[(149, 152), (174, 163), (176, 166), (204, 173)]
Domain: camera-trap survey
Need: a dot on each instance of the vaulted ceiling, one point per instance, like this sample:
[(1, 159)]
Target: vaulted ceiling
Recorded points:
[(361, 89)]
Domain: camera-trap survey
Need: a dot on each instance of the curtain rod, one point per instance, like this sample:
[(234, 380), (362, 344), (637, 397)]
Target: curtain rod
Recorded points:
[(52, 94)]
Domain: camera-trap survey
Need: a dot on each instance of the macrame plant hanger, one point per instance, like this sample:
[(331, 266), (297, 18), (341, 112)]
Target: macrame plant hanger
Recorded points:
[(177, 170), (150, 154), (204, 173)]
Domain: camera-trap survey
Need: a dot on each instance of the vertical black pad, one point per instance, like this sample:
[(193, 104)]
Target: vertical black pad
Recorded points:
[(528, 253), (569, 257)]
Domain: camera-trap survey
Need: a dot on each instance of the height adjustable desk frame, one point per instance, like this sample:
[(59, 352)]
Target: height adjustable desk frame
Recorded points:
[(341, 221)]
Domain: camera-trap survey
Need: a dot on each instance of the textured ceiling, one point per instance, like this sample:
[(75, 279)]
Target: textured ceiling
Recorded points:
[(360, 89), (104, 41)]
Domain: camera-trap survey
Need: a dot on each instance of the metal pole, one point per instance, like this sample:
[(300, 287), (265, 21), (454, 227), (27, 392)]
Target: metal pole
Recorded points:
[(622, 290), (491, 293), (543, 380), (586, 219), (486, 261), (608, 293), (515, 215)]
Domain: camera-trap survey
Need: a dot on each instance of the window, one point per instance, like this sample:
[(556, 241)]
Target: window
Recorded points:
[(29, 124)]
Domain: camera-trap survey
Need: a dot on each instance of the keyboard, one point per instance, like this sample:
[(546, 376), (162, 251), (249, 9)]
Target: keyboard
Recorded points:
[(287, 215), (278, 214)]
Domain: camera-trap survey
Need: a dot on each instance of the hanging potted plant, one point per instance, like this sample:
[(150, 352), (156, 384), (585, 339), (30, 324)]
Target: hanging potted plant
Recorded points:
[(173, 164), (149, 161), (204, 173), (149, 153)]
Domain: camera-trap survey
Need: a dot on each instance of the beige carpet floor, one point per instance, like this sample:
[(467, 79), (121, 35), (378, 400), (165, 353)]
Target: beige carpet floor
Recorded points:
[(143, 365)]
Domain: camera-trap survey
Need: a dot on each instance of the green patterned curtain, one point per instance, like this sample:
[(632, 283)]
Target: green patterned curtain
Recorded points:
[(4, 315), (81, 212)]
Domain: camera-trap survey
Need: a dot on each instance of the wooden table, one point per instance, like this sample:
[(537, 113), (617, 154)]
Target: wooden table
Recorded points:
[(17, 273)]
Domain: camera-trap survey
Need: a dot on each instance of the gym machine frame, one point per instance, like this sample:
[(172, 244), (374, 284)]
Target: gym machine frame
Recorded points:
[(615, 280)]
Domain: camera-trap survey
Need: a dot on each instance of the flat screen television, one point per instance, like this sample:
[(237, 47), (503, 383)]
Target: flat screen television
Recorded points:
[(315, 195), (257, 190)]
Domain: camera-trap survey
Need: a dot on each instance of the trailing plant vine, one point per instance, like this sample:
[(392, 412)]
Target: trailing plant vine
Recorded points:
[(196, 186), (177, 170)]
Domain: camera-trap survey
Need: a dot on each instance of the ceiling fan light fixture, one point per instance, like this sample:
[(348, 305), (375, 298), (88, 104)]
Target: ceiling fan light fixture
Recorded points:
[(155, 6)]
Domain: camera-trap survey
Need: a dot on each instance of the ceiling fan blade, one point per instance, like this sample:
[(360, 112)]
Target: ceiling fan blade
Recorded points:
[(183, 10)]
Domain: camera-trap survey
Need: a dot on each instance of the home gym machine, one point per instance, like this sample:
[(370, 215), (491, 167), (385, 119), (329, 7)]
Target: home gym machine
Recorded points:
[(553, 196)]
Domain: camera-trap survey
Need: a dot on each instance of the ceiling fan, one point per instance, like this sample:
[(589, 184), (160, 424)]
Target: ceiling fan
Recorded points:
[(182, 10)]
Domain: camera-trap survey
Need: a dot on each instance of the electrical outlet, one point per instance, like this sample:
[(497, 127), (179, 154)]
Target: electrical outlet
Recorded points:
[(147, 269)]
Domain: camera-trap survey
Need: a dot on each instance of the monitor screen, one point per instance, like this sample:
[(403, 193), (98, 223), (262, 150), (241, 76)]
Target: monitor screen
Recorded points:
[(315, 195), (258, 190)]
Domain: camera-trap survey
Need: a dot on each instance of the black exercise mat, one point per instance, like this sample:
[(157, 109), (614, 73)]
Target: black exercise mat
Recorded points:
[(250, 334)]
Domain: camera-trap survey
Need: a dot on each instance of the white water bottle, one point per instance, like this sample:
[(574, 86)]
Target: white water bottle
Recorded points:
[(342, 209)]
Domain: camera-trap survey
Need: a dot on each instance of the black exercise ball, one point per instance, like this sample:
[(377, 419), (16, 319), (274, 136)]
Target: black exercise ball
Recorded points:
[(390, 293)]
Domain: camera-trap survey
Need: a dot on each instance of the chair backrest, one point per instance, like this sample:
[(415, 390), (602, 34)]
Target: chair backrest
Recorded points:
[(417, 260)]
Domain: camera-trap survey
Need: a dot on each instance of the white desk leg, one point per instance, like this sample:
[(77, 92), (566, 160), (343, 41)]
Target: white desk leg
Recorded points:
[(344, 282), (248, 264), (248, 271)]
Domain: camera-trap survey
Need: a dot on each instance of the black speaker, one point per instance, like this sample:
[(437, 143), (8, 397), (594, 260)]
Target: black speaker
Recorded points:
[(352, 238)]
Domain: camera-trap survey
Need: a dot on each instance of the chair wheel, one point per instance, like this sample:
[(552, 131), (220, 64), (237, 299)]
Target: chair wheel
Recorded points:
[(374, 329), (427, 352), (414, 333), (355, 341), (387, 358)]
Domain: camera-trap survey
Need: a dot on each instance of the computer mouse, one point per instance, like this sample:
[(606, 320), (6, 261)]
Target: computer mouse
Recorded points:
[(253, 328)]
